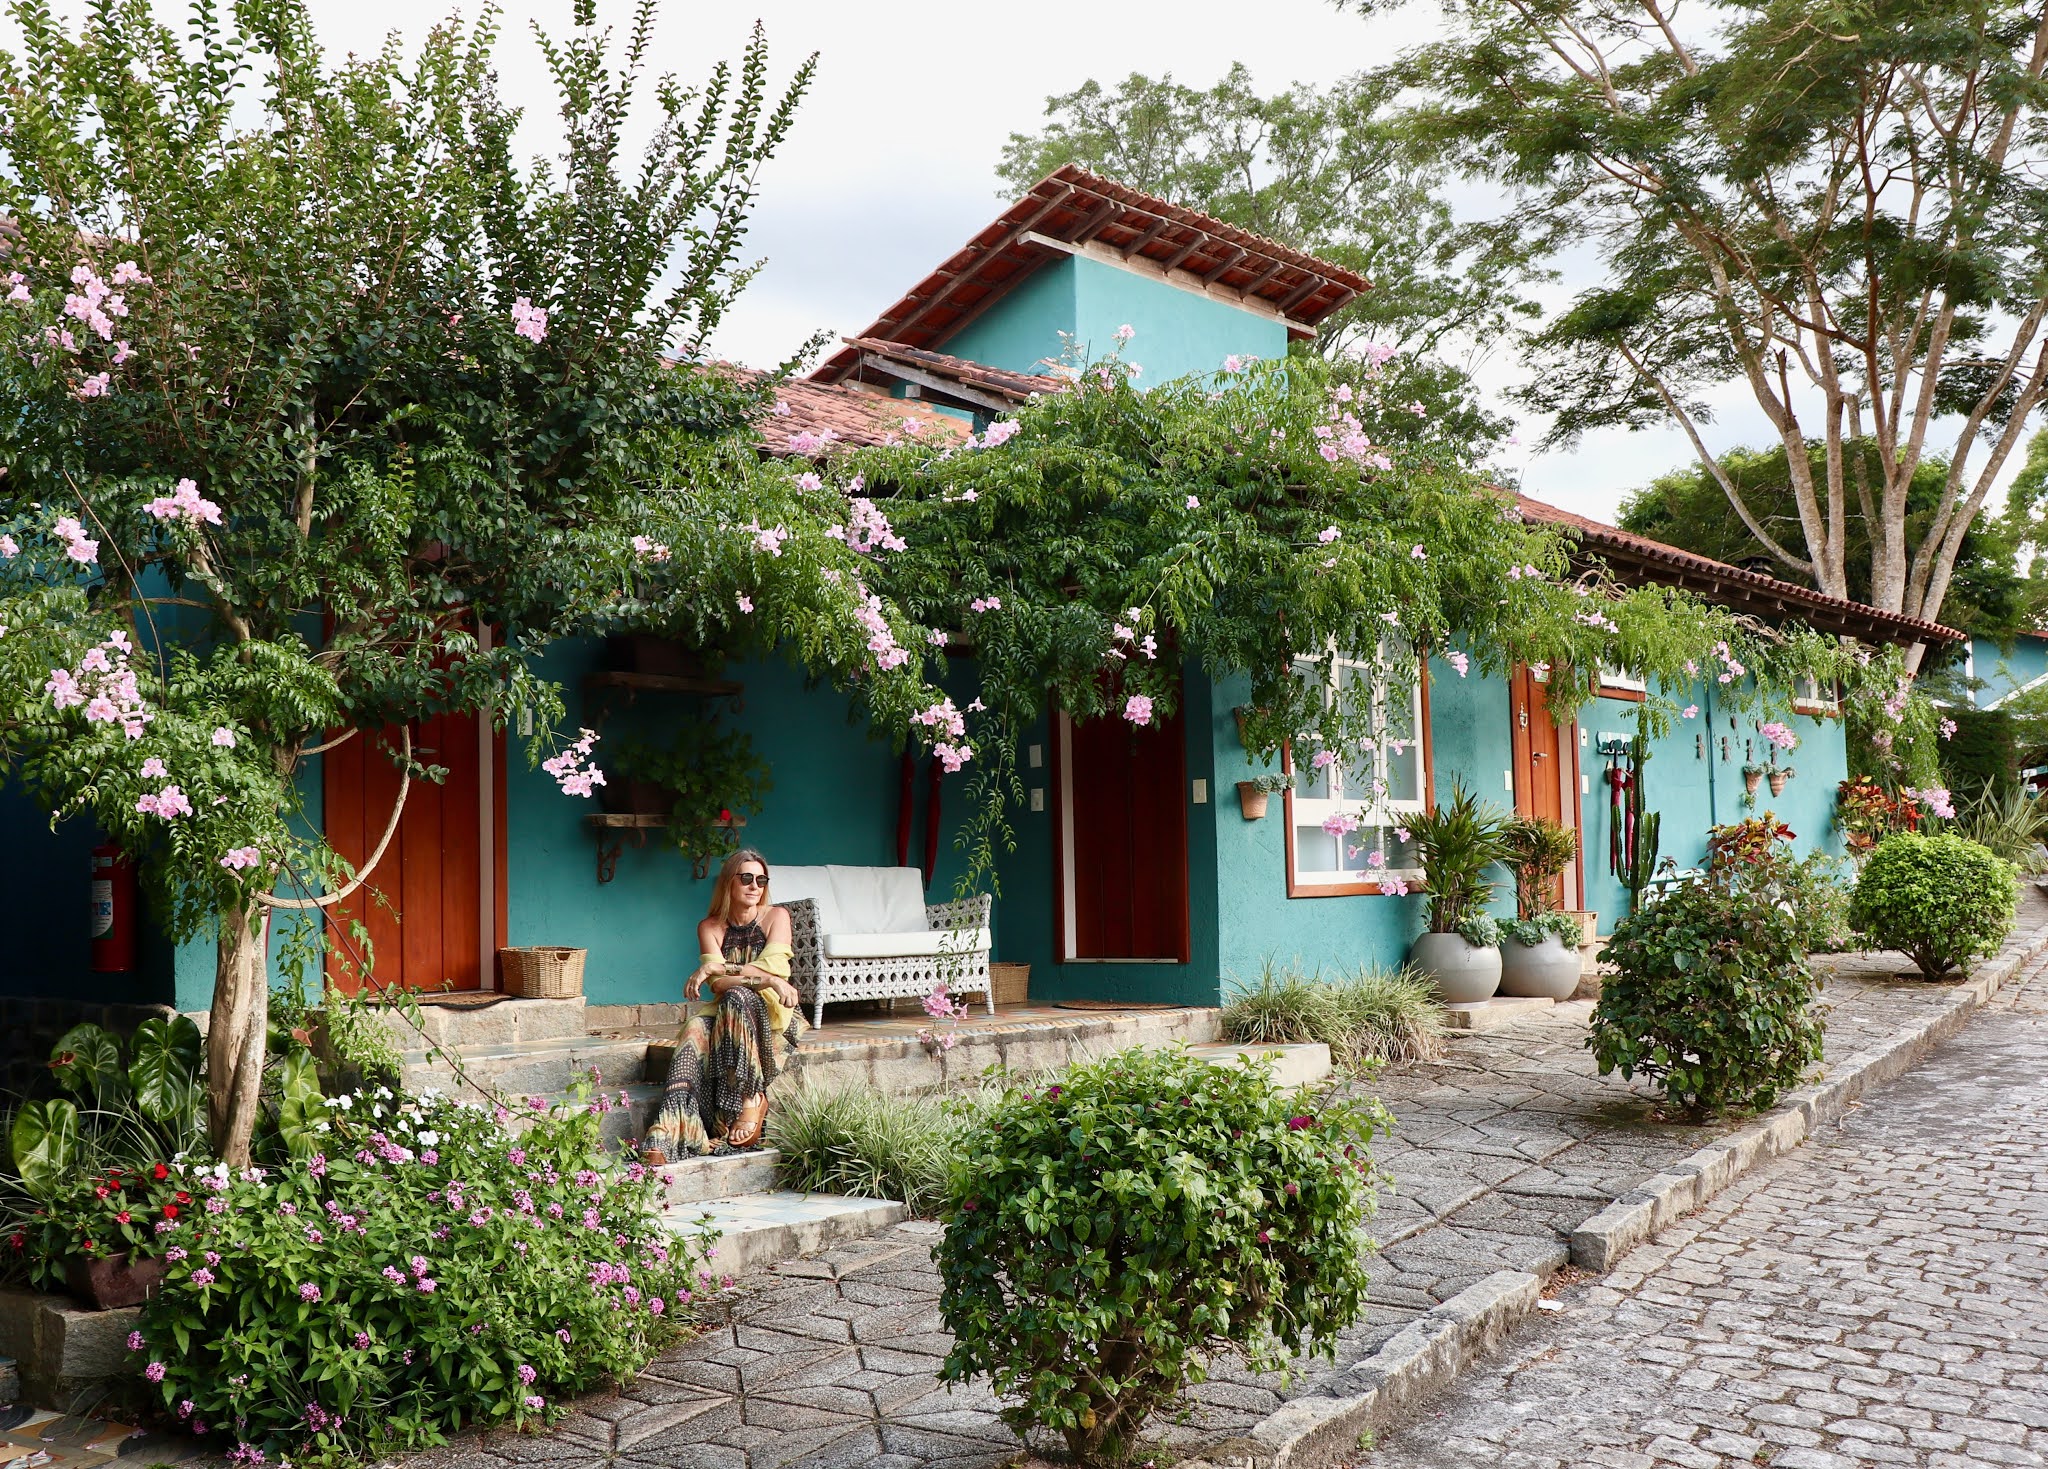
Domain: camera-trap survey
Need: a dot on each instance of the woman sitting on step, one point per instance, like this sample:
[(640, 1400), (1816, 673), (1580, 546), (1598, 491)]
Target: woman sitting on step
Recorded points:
[(727, 1051)]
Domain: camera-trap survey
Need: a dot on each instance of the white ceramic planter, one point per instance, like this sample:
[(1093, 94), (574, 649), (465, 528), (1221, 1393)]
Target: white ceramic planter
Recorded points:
[(1463, 973), (1545, 971)]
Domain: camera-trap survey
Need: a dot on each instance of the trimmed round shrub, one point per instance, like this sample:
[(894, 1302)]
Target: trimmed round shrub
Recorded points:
[(1711, 999), (1943, 899), (1111, 1231)]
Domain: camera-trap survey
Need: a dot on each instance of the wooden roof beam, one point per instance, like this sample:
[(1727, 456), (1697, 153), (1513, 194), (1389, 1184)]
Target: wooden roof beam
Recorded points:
[(1214, 276), (1174, 261), (945, 387), (1308, 289)]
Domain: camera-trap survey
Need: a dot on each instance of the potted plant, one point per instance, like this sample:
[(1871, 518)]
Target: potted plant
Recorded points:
[(1777, 775), (1456, 844), (1539, 952), (1253, 794), (705, 781), (1752, 777)]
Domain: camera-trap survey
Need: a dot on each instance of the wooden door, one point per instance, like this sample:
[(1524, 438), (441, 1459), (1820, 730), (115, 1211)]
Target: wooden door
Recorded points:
[(1123, 844), (1541, 754), (434, 903)]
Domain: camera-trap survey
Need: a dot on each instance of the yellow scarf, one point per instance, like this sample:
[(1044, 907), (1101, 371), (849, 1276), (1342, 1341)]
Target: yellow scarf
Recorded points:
[(775, 959)]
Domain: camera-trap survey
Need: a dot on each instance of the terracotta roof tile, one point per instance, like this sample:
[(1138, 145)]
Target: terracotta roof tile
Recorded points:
[(843, 416), (1015, 387)]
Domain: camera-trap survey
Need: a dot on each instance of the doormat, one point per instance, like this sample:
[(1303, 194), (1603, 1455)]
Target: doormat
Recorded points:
[(1115, 1005), (456, 999)]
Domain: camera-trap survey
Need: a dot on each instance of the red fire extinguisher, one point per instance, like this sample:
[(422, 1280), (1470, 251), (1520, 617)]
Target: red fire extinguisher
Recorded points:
[(113, 910)]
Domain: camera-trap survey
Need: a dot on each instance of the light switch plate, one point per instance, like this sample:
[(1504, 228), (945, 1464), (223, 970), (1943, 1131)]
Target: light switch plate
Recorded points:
[(1037, 798), (1508, 776), (1201, 793), (525, 722), (1037, 756)]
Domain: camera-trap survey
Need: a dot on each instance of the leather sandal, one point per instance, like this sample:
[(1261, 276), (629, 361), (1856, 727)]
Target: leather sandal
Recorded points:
[(746, 1129)]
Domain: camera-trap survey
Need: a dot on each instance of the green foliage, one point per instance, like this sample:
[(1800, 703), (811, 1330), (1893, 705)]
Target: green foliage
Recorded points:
[(713, 776), (1549, 924), (862, 1141), (2012, 824), (1943, 899), (1456, 844), (1802, 212), (336, 1309), (1757, 854), (1111, 1232), (1537, 851), (1324, 170), (1365, 1017), (1710, 998), (1639, 862), (1981, 760)]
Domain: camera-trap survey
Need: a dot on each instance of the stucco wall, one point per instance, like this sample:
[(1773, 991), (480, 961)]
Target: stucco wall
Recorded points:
[(2004, 671)]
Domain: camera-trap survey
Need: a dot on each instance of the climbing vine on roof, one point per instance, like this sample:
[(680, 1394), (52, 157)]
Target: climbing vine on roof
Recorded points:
[(1259, 520)]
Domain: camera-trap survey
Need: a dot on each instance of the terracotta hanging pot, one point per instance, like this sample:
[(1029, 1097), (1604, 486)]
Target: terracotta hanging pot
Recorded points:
[(1252, 799), (1751, 779), (1778, 779)]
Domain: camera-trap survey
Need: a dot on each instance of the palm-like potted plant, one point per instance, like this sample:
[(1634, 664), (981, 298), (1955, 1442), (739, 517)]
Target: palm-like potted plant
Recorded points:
[(1539, 950), (1456, 844)]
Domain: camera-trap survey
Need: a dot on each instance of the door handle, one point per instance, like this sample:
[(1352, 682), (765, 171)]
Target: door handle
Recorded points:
[(1538, 755)]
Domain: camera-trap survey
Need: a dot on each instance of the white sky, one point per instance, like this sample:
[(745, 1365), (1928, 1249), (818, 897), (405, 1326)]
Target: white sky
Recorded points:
[(891, 166)]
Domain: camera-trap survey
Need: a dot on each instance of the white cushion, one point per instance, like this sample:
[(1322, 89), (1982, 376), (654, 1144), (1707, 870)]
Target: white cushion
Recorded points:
[(856, 899), (920, 943)]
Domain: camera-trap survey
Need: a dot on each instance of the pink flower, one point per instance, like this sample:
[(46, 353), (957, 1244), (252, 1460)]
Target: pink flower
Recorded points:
[(1778, 735), (202, 1276), (154, 1372), (1125, 332), (1328, 534), (1138, 709), (1462, 662), (986, 604), (184, 503), (527, 1374), (9, 548), (224, 738), (426, 1286), (1340, 823), (134, 1341), (536, 1403), (652, 550), (238, 859), (309, 1292), (1948, 728), (1323, 760), (1416, 553), (1690, 711), (1394, 886), (746, 603), (529, 320), (995, 436), (154, 769), (1233, 363), (1194, 502), (97, 386)]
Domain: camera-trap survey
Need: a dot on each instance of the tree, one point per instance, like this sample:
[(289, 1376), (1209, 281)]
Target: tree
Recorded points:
[(1321, 170), (312, 386), (1989, 597), (1841, 210)]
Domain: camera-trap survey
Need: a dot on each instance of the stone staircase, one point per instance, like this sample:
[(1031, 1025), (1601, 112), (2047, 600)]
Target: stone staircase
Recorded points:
[(522, 1048)]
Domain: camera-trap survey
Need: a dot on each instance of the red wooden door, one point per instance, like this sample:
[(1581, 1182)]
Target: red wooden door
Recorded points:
[(1539, 755), (426, 904), (1124, 850)]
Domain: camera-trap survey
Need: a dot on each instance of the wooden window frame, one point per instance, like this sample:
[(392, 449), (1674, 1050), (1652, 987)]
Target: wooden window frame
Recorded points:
[(1296, 888), (1615, 683), (1818, 707)]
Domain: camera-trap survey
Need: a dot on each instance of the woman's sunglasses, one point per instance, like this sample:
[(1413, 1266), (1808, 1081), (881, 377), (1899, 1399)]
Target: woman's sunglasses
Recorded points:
[(751, 879)]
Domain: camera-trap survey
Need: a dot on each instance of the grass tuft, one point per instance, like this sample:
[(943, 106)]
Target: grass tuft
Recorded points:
[(1365, 1018), (858, 1140)]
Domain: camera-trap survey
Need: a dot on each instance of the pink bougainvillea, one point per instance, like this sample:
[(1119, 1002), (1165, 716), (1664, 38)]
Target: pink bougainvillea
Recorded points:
[(1138, 709)]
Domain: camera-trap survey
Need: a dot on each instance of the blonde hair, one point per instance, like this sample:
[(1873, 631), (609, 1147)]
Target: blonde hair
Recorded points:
[(721, 893)]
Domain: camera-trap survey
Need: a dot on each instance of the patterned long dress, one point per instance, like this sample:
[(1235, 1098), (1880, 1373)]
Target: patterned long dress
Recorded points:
[(723, 1060)]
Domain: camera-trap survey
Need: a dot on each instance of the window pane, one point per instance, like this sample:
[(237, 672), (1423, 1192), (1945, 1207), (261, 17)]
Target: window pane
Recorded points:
[(1404, 773), (1315, 850), (1311, 784)]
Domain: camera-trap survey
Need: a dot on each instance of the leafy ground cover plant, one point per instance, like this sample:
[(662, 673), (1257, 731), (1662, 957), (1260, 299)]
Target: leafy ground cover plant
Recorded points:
[(1111, 1231), (859, 1140), (1366, 1017), (1711, 999), (421, 1266), (1944, 899)]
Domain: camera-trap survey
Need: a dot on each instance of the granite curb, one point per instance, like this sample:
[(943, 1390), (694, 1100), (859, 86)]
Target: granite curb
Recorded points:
[(1428, 1354), (1602, 1240)]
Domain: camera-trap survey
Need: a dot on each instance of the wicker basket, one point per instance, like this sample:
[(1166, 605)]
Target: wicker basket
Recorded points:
[(1011, 983), (543, 973)]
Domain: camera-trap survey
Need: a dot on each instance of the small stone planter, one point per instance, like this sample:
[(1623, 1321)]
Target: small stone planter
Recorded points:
[(1544, 971), (113, 1281), (1463, 973)]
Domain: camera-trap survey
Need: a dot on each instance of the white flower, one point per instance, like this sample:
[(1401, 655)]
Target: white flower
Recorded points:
[(430, 1139)]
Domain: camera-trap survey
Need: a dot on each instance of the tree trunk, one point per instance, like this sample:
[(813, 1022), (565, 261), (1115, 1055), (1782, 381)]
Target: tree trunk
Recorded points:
[(236, 1034)]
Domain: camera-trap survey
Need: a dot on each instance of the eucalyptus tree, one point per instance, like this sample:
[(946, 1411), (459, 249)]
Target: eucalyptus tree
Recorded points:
[(1839, 208), (327, 412)]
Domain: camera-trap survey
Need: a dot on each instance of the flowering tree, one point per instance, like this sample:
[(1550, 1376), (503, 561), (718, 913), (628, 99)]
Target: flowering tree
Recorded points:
[(325, 414)]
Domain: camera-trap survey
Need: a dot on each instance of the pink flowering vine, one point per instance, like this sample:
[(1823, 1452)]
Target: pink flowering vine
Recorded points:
[(529, 320), (571, 769), (184, 503), (1138, 709)]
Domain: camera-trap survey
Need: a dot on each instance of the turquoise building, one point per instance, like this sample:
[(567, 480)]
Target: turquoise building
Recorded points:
[(1138, 874)]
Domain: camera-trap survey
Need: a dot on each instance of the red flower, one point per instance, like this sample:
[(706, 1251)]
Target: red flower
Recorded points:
[(183, 1197), (123, 1217), (170, 1211), (18, 1239), (1297, 1124), (159, 1173), (100, 1192)]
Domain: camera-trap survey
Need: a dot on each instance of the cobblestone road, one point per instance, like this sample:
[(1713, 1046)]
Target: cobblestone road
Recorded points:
[(1878, 1297)]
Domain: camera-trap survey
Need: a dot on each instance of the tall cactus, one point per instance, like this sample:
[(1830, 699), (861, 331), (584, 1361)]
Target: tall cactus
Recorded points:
[(1639, 863)]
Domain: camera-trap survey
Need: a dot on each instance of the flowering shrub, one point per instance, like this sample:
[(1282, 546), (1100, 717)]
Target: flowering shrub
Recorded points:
[(1757, 853), (432, 1268), (1943, 899), (1111, 1233), (1867, 813), (1711, 998)]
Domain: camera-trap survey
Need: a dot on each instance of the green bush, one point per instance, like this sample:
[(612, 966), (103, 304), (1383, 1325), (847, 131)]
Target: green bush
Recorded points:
[(1364, 1018), (1945, 900), (1111, 1232), (1711, 999), (1757, 853), (429, 1269), (859, 1140)]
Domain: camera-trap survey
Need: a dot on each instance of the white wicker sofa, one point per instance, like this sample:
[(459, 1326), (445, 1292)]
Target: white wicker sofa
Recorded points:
[(866, 933)]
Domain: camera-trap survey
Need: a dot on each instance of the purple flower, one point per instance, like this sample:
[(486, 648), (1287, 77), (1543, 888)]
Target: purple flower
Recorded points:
[(362, 1341), (393, 1274), (536, 1403), (154, 1372), (202, 1276), (1292, 1189), (1298, 1124), (134, 1341), (426, 1286), (309, 1292), (527, 1374)]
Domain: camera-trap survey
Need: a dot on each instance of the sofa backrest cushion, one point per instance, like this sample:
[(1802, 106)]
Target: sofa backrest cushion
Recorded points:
[(856, 899)]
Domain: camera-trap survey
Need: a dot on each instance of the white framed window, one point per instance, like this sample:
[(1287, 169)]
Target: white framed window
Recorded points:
[(1379, 781), (1810, 696), (1619, 683)]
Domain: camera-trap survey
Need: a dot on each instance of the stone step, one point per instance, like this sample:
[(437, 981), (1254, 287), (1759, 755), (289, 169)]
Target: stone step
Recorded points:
[(508, 1022), (531, 1068), (761, 1229), (720, 1176), (1494, 1014), (1299, 1064)]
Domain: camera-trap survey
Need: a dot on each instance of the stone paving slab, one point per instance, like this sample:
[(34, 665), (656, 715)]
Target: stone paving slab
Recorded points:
[(1501, 1147)]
